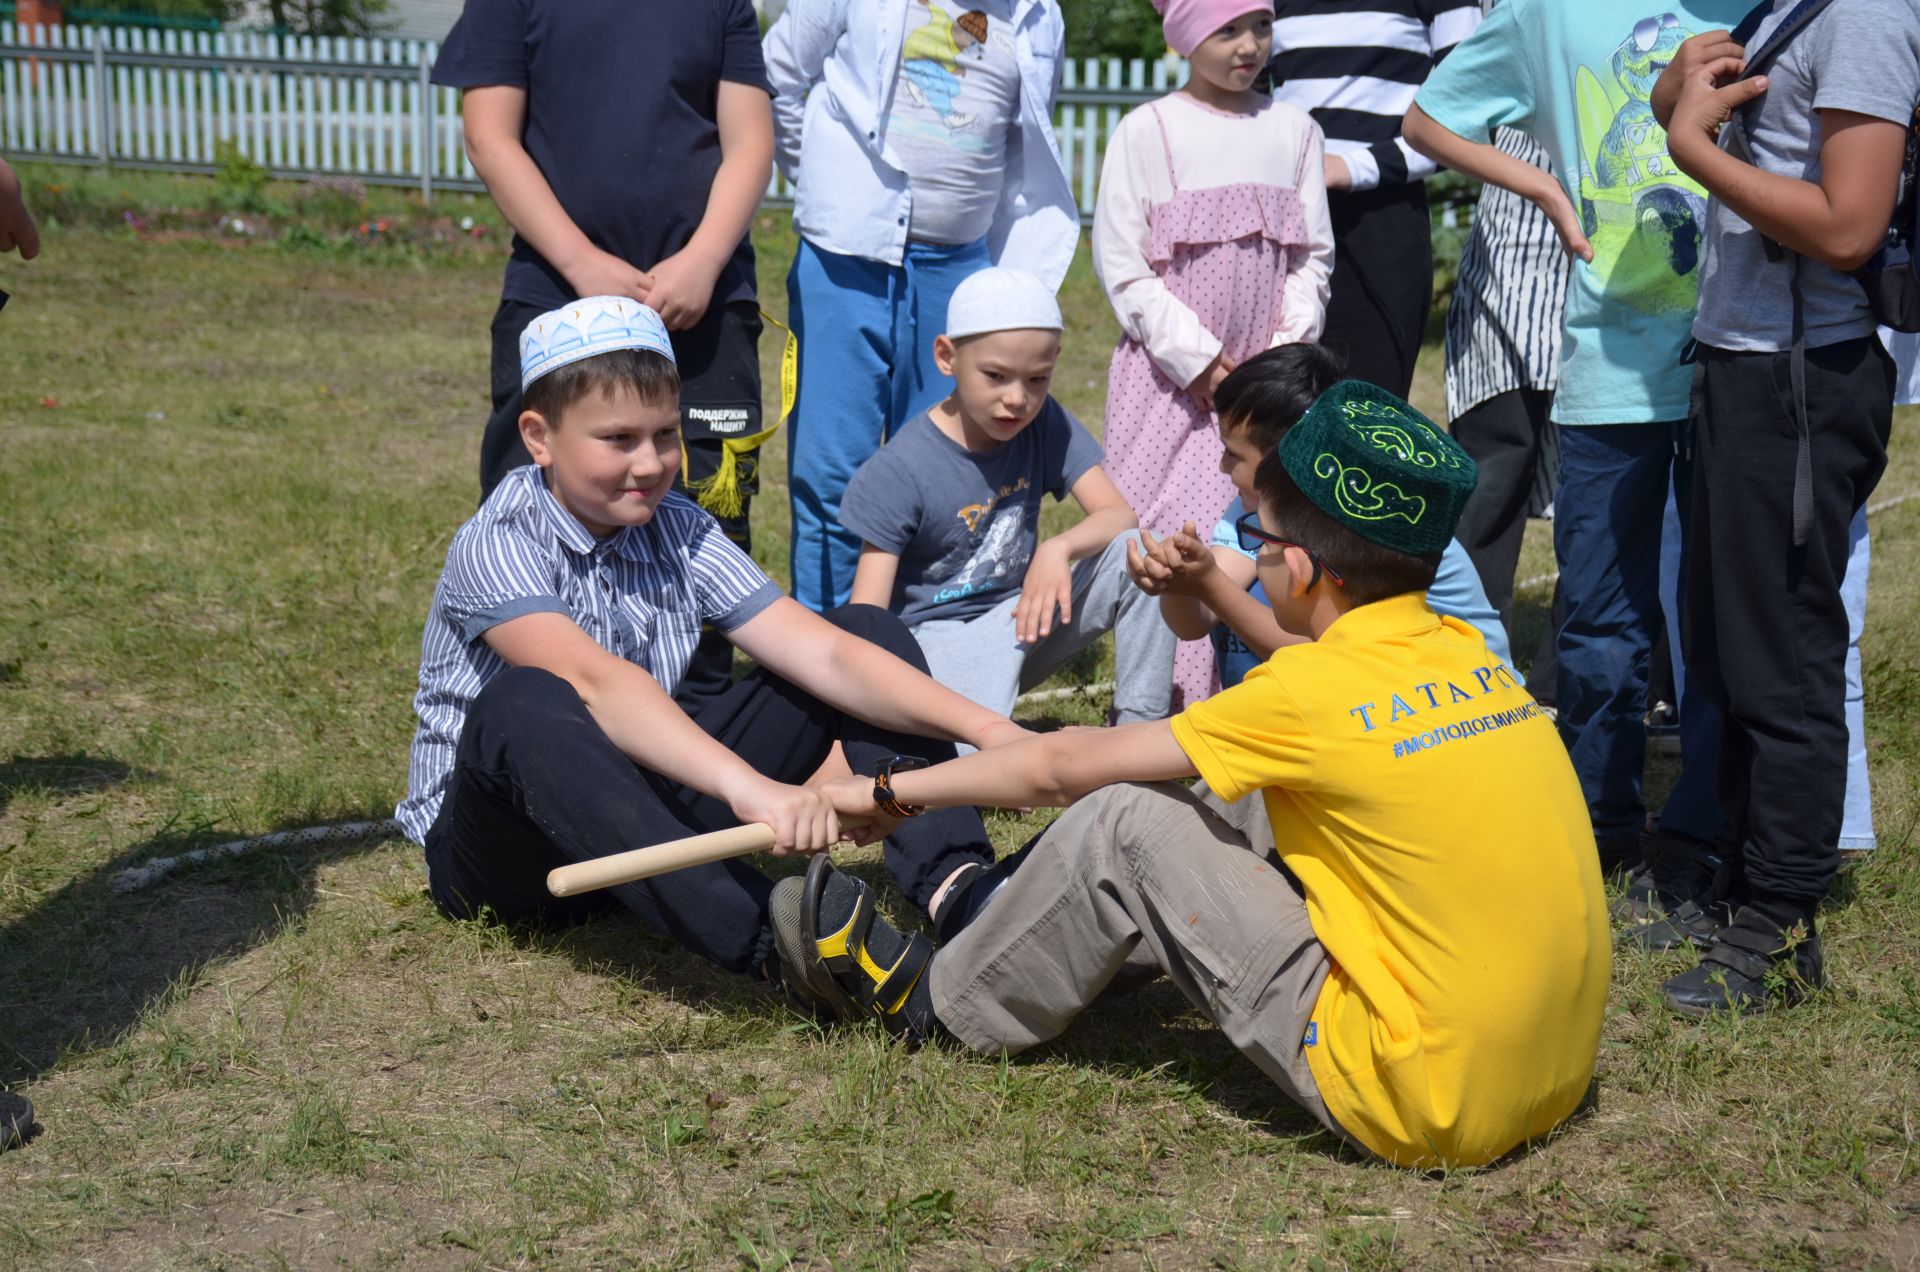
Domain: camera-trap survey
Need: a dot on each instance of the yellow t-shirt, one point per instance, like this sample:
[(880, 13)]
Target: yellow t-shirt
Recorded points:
[(1429, 810)]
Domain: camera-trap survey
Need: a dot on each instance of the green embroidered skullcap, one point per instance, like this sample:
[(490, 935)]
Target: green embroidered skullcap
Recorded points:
[(1380, 468)]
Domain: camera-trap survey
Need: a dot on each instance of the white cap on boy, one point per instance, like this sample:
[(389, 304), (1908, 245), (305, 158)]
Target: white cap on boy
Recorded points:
[(1001, 299), (584, 328)]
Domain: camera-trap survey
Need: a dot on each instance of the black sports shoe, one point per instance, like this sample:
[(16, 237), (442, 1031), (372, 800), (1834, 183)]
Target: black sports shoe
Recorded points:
[(1678, 871), (1753, 964), (16, 1119)]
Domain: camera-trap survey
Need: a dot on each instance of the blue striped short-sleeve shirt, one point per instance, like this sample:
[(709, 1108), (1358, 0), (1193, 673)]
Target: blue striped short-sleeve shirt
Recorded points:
[(642, 594)]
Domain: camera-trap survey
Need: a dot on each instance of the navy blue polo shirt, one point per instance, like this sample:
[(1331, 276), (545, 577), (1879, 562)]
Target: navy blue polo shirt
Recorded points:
[(621, 105)]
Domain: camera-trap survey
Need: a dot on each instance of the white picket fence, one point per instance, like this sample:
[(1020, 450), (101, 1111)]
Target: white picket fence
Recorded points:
[(313, 106)]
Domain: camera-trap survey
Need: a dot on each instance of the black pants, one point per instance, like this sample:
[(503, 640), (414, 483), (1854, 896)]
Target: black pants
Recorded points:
[(1382, 282), (1507, 435), (1764, 630), (719, 362), (537, 784)]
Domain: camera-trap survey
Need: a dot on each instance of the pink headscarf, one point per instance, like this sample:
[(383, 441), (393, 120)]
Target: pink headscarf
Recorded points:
[(1188, 22)]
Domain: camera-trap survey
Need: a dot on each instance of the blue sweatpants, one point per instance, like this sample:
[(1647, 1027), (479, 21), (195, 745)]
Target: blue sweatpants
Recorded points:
[(866, 332)]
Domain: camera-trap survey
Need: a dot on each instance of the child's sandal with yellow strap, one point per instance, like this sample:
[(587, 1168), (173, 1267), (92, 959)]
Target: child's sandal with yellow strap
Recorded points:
[(862, 965)]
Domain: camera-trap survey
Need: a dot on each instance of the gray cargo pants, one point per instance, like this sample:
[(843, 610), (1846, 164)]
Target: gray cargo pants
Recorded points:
[(1132, 882)]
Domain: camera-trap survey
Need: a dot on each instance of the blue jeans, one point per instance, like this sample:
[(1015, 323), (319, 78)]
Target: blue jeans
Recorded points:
[(1607, 516), (1692, 809), (866, 332)]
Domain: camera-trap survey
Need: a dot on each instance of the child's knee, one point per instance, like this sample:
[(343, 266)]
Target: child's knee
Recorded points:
[(522, 693), (879, 627)]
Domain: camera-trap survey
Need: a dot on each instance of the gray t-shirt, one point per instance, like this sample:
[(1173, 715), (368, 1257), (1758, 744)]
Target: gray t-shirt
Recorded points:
[(1858, 55), (963, 523)]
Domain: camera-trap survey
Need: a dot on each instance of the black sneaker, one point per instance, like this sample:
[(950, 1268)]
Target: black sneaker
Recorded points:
[(1690, 926), (16, 1119), (1752, 965), (1676, 870)]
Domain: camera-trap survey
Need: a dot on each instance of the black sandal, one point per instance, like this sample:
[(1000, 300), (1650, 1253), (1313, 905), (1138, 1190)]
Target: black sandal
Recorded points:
[(839, 966)]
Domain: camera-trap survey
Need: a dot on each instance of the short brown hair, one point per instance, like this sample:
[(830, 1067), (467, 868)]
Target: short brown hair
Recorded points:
[(647, 375)]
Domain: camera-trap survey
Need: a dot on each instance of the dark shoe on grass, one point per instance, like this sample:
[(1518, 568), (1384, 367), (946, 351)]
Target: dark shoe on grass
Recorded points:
[(861, 966), (1690, 926), (16, 1119), (1752, 965), (797, 979), (1678, 871)]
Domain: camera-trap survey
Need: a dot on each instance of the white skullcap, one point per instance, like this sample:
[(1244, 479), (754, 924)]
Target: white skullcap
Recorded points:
[(595, 325), (1001, 299)]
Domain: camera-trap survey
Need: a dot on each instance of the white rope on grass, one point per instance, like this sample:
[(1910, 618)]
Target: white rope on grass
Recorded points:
[(134, 878), (1873, 509)]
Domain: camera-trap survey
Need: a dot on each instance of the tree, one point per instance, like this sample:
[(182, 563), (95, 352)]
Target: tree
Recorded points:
[(1113, 28), (329, 17)]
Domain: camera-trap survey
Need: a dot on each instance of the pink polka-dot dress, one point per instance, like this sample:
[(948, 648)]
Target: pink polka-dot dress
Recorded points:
[(1224, 252)]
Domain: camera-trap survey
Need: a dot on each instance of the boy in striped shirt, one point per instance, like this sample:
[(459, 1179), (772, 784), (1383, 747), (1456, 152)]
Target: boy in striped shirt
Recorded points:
[(568, 610)]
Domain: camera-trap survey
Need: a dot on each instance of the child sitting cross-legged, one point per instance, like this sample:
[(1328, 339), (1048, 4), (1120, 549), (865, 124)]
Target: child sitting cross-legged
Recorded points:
[(949, 510), (1210, 588), (567, 613), (1424, 964)]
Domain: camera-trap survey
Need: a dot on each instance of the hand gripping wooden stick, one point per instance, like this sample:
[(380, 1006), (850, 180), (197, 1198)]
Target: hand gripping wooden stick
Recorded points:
[(644, 863)]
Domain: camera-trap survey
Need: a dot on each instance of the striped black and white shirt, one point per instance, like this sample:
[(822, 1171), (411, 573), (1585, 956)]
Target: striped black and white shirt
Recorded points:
[(1503, 327), (1354, 65), (641, 594)]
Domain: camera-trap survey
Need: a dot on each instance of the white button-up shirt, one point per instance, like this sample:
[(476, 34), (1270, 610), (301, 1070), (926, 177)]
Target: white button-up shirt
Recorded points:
[(833, 70)]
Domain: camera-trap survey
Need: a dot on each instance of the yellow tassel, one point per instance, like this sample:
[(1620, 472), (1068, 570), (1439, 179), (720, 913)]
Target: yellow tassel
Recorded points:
[(720, 493)]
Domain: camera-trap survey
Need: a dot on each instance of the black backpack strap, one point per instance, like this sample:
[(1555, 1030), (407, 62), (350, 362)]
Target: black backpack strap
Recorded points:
[(1802, 13), (1751, 23), (1797, 376)]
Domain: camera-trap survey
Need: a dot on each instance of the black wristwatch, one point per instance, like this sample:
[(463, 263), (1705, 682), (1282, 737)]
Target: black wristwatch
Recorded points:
[(883, 796)]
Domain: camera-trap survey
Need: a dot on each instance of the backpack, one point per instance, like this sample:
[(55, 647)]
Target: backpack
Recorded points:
[(1891, 279)]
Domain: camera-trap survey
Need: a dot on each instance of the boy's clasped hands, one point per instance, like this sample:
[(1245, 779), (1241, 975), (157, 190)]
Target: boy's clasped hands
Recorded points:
[(1178, 564)]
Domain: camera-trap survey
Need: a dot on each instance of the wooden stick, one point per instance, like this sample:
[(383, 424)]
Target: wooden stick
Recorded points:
[(644, 863)]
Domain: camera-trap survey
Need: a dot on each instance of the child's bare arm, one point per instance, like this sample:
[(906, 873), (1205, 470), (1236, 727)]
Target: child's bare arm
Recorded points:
[(1839, 221), (643, 720), (1249, 618), (1047, 589), (873, 577), (1050, 770), (495, 116), (1489, 163), (683, 282), (863, 679)]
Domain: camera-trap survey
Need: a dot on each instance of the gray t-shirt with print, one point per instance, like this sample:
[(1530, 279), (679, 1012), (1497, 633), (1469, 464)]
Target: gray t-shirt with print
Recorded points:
[(955, 101), (1857, 55), (963, 523)]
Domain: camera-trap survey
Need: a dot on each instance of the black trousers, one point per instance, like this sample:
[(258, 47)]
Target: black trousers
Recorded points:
[(1382, 282), (1764, 630), (537, 784), (719, 361), (1507, 435)]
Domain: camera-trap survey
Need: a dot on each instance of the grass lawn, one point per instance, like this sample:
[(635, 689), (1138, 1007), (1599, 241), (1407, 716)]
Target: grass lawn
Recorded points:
[(231, 476)]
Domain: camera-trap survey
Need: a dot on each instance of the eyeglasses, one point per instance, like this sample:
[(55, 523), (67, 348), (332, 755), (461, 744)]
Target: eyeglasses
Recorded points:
[(1252, 535)]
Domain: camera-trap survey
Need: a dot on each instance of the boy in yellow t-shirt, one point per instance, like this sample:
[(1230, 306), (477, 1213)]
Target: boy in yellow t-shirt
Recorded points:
[(1425, 966)]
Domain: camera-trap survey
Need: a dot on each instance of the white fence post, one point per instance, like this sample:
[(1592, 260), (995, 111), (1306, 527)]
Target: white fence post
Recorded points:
[(102, 110), (423, 126)]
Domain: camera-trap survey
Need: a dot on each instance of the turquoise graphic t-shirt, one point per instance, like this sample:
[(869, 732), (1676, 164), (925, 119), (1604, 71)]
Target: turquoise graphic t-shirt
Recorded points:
[(1577, 77)]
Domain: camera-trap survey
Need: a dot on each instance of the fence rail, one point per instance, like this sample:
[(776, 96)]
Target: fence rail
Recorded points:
[(314, 106)]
